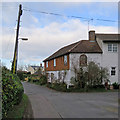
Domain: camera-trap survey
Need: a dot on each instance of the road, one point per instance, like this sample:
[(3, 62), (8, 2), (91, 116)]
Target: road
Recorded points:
[(47, 103)]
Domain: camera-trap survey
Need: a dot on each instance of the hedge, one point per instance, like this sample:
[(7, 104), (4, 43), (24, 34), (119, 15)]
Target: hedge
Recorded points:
[(12, 91)]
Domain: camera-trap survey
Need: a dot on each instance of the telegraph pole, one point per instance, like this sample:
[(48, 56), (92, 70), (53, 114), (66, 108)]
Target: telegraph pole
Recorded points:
[(14, 63)]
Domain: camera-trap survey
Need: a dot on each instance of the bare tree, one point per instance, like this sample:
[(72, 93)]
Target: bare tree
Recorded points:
[(26, 66), (20, 67)]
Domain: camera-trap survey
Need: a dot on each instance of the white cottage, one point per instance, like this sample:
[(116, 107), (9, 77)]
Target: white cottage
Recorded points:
[(103, 49)]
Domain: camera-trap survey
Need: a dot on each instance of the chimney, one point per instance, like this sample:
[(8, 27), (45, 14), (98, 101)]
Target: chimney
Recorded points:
[(40, 64), (92, 35)]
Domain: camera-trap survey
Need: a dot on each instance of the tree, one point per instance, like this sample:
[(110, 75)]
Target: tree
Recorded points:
[(26, 66), (91, 75), (20, 67)]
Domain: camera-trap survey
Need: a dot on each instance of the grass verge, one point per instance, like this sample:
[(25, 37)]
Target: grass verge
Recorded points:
[(18, 110)]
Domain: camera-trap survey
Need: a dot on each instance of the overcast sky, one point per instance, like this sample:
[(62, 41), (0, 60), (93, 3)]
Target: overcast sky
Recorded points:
[(47, 33)]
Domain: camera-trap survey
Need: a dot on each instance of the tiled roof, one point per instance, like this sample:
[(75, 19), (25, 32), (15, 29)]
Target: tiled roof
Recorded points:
[(86, 46), (83, 46)]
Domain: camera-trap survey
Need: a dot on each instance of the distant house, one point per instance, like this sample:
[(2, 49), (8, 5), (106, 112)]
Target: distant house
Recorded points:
[(33, 69), (101, 48), (36, 69)]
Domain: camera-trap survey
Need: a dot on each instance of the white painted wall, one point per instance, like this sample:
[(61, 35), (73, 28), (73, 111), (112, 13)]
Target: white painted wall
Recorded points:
[(30, 69), (119, 63), (110, 59), (75, 57)]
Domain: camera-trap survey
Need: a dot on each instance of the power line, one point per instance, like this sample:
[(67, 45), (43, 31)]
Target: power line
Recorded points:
[(56, 14), (77, 17)]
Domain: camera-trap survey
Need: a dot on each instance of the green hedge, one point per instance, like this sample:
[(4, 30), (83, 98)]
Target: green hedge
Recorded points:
[(12, 91)]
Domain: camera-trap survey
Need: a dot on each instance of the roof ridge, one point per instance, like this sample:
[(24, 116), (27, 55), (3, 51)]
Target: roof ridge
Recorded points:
[(74, 46)]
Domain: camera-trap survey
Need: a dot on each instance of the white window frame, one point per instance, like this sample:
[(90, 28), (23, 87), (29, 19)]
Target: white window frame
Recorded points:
[(54, 62), (47, 64), (113, 71), (115, 47), (109, 47), (112, 47), (65, 60)]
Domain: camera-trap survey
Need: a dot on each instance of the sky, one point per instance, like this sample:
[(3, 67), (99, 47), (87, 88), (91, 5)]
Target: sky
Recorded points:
[(47, 33)]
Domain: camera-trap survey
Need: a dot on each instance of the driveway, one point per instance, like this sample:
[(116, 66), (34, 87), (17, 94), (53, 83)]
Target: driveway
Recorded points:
[(47, 103)]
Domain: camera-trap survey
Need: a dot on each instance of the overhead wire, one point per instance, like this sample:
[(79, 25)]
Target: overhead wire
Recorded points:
[(69, 16)]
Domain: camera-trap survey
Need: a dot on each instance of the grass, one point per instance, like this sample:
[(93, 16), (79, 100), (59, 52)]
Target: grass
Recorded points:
[(18, 110)]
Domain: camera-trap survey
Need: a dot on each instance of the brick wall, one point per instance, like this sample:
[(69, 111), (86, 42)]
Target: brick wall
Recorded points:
[(59, 64)]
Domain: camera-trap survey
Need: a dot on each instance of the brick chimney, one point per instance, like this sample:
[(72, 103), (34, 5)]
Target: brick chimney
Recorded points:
[(40, 64), (92, 35)]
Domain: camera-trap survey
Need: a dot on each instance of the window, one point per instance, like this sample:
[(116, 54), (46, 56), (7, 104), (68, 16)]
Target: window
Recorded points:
[(109, 47), (65, 60), (113, 71), (83, 60), (47, 64), (54, 62), (112, 47)]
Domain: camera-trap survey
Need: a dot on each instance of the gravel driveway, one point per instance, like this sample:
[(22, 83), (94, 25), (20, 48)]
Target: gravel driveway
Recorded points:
[(47, 103)]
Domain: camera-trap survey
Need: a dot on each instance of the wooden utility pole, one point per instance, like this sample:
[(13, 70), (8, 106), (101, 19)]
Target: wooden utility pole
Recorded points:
[(14, 63)]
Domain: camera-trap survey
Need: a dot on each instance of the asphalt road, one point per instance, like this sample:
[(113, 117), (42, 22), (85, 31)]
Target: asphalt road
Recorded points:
[(47, 103)]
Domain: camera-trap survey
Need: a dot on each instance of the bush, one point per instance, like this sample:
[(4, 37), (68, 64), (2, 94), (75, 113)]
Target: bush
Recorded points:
[(58, 86), (20, 75), (29, 79), (43, 80), (96, 86), (115, 85), (12, 91), (90, 76)]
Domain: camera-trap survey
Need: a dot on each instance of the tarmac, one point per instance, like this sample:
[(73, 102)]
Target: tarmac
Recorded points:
[(47, 103)]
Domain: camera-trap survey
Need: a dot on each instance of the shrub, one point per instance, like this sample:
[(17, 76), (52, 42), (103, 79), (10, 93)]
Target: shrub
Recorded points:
[(12, 91), (58, 86), (96, 86), (115, 85), (20, 75), (29, 79), (43, 80)]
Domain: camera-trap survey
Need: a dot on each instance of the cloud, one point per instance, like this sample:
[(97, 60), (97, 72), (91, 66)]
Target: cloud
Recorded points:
[(48, 39)]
